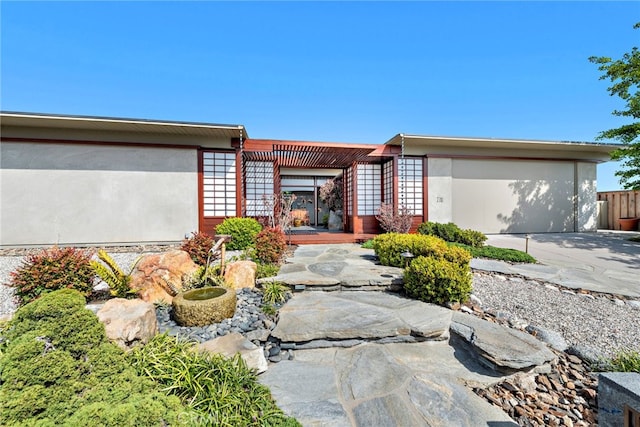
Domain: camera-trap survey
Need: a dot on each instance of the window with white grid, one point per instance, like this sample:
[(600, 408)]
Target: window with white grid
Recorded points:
[(369, 189), (219, 184), (387, 179), (348, 194), (258, 183), (410, 184)]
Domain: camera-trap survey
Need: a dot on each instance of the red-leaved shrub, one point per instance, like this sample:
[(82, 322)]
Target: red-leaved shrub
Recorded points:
[(392, 221), (270, 245), (198, 246), (52, 269)]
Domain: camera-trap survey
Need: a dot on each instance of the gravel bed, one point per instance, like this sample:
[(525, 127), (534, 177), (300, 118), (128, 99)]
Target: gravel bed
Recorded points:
[(597, 323)]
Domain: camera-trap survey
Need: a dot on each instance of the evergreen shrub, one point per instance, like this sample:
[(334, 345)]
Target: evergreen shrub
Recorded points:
[(198, 246), (52, 269), (57, 368), (242, 230), (438, 281), (270, 244), (452, 233)]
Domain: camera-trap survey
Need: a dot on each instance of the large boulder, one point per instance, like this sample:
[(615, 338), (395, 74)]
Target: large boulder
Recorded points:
[(129, 322), (158, 277), (233, 343), (241, 274)]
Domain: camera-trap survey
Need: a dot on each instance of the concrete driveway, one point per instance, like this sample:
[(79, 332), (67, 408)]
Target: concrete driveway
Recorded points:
[(605, 261)]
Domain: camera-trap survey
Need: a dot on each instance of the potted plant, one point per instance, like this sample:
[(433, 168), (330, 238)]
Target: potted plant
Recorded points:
[(628, 224)]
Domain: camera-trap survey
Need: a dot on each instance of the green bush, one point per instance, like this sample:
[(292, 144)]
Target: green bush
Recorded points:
[(267, 270), (57, 368), (502, 254), (270, 245), (52, 269), (221, 391), (452, 233), (438, 281), (198, 246), (368, 244), (242, 230), (390, 246)]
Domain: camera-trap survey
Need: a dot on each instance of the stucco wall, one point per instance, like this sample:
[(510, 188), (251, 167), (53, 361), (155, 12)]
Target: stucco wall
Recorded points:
[(96, 194), (440, 201), (513, 196)]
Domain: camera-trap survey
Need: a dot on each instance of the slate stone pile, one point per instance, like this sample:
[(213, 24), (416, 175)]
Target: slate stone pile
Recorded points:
[(566, 396)]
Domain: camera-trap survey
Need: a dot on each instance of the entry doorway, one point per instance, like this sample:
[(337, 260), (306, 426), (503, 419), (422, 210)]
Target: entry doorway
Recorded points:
[(306, 189)]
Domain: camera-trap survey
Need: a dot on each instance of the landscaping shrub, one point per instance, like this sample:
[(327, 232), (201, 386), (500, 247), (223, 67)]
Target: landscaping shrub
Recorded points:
[(52, 269), (57, 368), (242, 230), (113, 275), (270, 244), (267, 270), (368, 244), (452, 233), (390, 246), (198, 246), (438, 281), (222, 391), (502, 254), (394, 221)]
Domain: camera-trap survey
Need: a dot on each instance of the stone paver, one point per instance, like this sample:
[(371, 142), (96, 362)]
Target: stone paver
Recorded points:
[(365, 359)]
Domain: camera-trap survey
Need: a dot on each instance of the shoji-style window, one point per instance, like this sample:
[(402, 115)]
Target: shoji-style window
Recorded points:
[(258, 183), (219, 184), (369, 189), (348, 193), (387, 179), (410, 184)]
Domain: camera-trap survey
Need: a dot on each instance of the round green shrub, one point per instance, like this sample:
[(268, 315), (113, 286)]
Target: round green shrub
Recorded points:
[(390, 246), (57, 368), (52, 269), (242, 230), (198, 246), (437, 281), (450, 232), (270, 245)]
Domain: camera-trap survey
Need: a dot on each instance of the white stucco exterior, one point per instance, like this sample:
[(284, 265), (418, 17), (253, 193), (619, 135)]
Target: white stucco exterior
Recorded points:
[(96, 194), (587, 197)]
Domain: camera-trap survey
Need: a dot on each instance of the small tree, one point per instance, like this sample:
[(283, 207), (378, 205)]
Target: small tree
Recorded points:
[(331, 193), (624, 75), (392, 221)]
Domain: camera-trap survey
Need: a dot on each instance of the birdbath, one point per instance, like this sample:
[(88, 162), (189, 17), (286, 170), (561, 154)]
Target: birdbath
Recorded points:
[(204, 306)]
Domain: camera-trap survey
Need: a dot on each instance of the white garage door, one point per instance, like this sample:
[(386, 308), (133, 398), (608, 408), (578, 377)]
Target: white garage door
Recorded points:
[(499, 196)]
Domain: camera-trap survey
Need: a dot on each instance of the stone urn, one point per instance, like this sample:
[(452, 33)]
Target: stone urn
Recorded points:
[(204, 306), (628, 224)]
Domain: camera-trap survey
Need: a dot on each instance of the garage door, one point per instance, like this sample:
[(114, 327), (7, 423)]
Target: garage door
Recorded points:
[(499, 196)]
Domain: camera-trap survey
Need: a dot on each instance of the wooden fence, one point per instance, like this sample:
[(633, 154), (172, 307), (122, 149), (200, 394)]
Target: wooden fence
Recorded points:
[(614, 205)]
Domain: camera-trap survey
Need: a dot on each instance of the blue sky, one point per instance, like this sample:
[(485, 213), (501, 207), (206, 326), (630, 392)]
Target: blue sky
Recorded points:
[(324, 71)]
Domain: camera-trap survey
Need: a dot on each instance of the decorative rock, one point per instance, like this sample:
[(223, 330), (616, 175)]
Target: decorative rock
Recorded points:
[(634, 304), (335, 221), (128, 322), (231, 344), (241, 274), (158, 277), (502, 348), (553, 338)]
